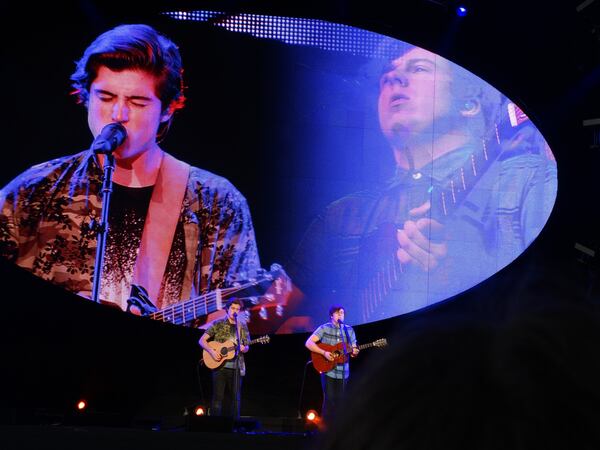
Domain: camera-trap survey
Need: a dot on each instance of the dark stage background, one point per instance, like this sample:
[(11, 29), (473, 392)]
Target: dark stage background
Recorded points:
[(56, 348)]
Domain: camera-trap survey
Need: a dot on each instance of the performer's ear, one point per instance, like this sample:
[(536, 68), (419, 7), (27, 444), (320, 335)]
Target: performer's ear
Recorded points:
[(168, 113), (470, 107)]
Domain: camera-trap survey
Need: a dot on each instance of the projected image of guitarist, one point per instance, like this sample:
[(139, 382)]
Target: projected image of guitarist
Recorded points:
[(324, 343), (227, 377), (467, 184)]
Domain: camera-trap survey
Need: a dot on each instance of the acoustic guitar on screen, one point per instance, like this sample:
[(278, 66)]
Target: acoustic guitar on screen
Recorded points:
[(226, 350), (322, 364)]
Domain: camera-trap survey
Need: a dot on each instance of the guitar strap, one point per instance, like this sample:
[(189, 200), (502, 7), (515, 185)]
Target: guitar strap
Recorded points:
[(345, 348), (160, 225), (347, 335)]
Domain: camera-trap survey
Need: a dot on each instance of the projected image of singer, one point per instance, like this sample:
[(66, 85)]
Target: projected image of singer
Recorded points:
[(471, 184), (174, 229)]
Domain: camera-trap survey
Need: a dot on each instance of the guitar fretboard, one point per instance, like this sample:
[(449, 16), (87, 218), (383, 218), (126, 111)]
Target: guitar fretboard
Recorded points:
[(186, 311), (372, 344), (252, 342), (444, 201)]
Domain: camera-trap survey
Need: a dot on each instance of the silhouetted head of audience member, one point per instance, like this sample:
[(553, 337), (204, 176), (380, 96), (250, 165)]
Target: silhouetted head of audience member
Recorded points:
[(529, 382)]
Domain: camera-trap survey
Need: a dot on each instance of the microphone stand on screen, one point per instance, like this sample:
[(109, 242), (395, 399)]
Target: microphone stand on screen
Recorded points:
[(111, 136)]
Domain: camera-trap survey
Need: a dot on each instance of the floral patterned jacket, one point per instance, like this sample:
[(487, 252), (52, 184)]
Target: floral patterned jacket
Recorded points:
[(46, 213)]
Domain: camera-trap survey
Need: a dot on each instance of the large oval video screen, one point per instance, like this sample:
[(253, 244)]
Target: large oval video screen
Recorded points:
[(380, 176)]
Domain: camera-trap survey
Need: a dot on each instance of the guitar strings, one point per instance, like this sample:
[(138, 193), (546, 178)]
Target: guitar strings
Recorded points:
[(205, 301)]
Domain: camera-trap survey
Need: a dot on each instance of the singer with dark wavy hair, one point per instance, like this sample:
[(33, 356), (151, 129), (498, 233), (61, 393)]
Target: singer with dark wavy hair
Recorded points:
[(335, 332), (175, 230)]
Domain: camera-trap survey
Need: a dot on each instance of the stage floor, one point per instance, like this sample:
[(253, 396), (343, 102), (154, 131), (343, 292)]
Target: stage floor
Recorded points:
[(41, 437)]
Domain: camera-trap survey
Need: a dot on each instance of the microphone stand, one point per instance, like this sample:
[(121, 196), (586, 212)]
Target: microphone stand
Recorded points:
[(101, 227), (236, 373), (345, 350), (302, 389)]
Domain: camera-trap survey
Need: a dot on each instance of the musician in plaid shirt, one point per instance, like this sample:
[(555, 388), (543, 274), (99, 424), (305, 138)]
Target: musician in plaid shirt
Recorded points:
[(333, 332)]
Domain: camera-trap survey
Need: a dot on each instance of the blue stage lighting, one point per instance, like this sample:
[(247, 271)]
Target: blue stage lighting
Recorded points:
[(461, 11)]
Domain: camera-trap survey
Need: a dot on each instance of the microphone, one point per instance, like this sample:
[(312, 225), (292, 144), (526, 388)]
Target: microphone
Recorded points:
[(340, 322), (111, 136)]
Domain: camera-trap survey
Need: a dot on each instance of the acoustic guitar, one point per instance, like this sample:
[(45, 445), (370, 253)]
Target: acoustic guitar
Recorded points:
[(226, 350), (322, 364)]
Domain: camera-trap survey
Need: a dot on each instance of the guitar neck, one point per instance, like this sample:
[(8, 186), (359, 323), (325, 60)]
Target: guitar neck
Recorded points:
[(364, 346), (340, 346), (186, 311), (252, 342), (446, 199)]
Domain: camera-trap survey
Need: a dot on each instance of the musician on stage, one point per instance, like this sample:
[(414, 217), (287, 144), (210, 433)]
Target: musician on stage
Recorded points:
[(333, 333), (227, 377)]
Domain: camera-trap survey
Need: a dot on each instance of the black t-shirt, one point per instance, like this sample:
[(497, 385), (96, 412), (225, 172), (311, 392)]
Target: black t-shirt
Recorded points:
[(127, 215)]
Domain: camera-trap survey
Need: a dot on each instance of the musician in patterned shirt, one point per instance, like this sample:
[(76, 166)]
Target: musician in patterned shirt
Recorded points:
[(227, 378), (334, 381), (178, 231)]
